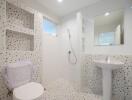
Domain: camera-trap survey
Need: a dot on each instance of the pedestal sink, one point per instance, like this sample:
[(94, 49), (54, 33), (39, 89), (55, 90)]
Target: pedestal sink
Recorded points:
[(107, 66)]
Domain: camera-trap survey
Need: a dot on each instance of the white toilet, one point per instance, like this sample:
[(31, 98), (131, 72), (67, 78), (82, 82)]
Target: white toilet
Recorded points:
[(17, 77)]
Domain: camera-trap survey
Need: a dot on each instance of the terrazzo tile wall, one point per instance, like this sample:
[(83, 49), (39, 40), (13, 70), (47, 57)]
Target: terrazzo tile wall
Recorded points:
[(91, 77), (18, 16), (20, 39)]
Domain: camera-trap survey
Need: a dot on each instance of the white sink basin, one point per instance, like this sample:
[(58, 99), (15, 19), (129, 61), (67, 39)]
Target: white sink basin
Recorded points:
[(110, 64), (107, 66)]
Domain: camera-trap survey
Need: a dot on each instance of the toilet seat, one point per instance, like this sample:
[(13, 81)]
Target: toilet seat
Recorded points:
[(29, 91)]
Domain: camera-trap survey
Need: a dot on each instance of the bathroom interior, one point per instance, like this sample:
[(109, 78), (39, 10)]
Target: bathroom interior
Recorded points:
[(65, 49)]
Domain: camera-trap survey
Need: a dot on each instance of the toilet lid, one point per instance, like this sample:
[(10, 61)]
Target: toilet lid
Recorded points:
[(28, 91)]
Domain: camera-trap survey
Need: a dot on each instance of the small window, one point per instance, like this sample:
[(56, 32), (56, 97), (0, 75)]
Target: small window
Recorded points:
[(49, 27), (107, 38)]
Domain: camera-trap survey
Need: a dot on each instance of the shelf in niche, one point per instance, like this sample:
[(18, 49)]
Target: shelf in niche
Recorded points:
[(19, 17), (19, 29), (17, 41)]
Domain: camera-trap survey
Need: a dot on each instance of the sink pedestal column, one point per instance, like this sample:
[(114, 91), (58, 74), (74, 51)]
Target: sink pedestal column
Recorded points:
[(107, 84)]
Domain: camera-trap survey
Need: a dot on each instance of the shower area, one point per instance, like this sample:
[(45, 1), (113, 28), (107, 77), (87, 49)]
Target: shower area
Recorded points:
[(83, 77)]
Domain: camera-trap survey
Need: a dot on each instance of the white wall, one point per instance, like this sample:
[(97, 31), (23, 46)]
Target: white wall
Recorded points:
[(125, 49), (100, 8), (55, 53), (55, 61)]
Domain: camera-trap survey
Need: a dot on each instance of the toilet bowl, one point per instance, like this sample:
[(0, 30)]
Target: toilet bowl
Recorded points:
[(29, 91), (17, 77)]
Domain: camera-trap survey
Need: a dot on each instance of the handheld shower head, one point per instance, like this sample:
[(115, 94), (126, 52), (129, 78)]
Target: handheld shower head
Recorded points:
[(71, 53)]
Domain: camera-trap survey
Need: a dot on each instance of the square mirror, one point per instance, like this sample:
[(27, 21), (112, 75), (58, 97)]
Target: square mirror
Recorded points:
[(109, 28)]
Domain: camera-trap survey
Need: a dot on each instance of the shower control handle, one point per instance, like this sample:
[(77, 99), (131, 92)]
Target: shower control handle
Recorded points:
[(69, 52)]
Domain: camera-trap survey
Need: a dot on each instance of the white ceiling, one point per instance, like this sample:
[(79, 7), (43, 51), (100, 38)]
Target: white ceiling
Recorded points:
[(66, 7)]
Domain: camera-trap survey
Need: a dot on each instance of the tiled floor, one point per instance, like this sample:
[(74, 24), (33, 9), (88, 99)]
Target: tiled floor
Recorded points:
[(70, 96)]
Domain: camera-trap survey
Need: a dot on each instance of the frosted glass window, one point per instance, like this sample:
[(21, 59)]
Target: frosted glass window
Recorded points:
[(49, 27), (107, 38)]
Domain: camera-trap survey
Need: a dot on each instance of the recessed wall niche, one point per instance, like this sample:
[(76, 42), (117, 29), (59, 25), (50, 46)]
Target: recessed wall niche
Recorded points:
[(19, 17), (19, 41)]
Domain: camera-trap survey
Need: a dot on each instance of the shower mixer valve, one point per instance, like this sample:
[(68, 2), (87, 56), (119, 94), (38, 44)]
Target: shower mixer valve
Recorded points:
[(69, 52)]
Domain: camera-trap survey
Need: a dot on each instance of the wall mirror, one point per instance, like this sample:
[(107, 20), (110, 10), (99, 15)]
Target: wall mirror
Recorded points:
[(109, 29)]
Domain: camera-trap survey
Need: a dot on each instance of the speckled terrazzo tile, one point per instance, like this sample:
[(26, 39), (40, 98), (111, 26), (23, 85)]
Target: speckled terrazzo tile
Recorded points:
[(121, 77), (17, 19)]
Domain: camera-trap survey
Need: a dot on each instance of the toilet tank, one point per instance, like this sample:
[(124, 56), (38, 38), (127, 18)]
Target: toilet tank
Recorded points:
[(17, 74)]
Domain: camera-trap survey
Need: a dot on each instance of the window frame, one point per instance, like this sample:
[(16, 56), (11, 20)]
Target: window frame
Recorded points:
[(53, 25)]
